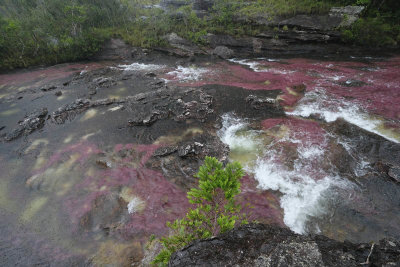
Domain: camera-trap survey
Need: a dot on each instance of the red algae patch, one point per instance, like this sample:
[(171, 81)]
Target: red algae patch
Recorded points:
[(111, 189), (374, 86), (41, 76)]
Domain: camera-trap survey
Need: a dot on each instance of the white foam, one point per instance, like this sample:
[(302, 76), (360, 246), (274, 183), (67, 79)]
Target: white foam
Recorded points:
[(231, 126), (141, 67), (251, 64), (188, 73), (302, 194), (330, 109), (135, 205), (257, 66)]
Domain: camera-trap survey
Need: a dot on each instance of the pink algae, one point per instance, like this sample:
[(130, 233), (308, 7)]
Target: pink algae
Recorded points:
[(374, 86), (163, 200), (307, 131), (259, 204), (84, 149), (42, 76)]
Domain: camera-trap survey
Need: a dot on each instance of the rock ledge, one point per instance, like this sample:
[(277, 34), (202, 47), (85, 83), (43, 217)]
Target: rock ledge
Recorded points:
[(267, 245)]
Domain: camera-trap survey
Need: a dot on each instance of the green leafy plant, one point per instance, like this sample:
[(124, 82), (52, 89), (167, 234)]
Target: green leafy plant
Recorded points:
[(372, 31), (215, 210)]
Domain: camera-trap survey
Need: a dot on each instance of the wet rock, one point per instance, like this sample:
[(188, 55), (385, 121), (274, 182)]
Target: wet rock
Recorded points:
[(69, 111), (59, 93), (394, 173), (180, 162), (260, 103), (92, 92), (188, 149), (300, 89), (165, 151), (14, 134), (29, 124), (104, 163), (267, 245), (157, 84), (48, 88), (104, 102), (234, 99), (223, 52), (147, 108), (102, 80), (144, 119), (106, 214), (150, 74), (352, 83)]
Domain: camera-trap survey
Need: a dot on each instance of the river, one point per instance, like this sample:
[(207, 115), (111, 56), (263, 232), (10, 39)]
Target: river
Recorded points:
[(84, 183)]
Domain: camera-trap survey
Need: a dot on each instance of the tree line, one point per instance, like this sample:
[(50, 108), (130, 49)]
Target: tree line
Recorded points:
[(34, 32)]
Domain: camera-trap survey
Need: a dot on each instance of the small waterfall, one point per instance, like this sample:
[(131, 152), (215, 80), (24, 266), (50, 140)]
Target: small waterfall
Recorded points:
[(303, 186)]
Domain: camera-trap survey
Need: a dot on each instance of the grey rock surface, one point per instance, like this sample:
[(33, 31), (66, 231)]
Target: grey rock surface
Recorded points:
[(267, 245), (223, 52), (29, 124)]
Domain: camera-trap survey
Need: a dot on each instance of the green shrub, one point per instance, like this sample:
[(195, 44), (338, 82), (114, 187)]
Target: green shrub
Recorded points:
[(373, 32), (214, 211)]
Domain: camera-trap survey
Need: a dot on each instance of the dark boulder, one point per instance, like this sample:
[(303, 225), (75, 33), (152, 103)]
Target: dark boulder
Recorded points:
[(181, 46), (266, 245), (176, 104), (223, 52), (180, 162), (29, 124), (114, 49)]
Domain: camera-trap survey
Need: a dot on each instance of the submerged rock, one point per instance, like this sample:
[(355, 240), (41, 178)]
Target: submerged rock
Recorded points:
[(259, 102), (394, 173), (48, 88), (179, 163), (30, 123), (69, 111), (176, 104), (267, 245)]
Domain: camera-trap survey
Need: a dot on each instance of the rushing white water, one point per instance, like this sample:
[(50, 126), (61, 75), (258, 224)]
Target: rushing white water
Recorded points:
[(141, 67), (230, 134), (329, 108), (188, 73), (258, 67), (135, 205), (303, 188), (251, 64), (302, 194)]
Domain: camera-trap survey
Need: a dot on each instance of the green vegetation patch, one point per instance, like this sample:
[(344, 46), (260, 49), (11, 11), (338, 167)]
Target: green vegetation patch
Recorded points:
[(214, 208)]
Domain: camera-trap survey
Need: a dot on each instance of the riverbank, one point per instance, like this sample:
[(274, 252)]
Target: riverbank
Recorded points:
[(54, 32)]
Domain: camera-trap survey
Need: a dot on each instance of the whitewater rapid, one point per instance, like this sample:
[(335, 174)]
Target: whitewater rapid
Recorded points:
[(303, 188), (330, 108)]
